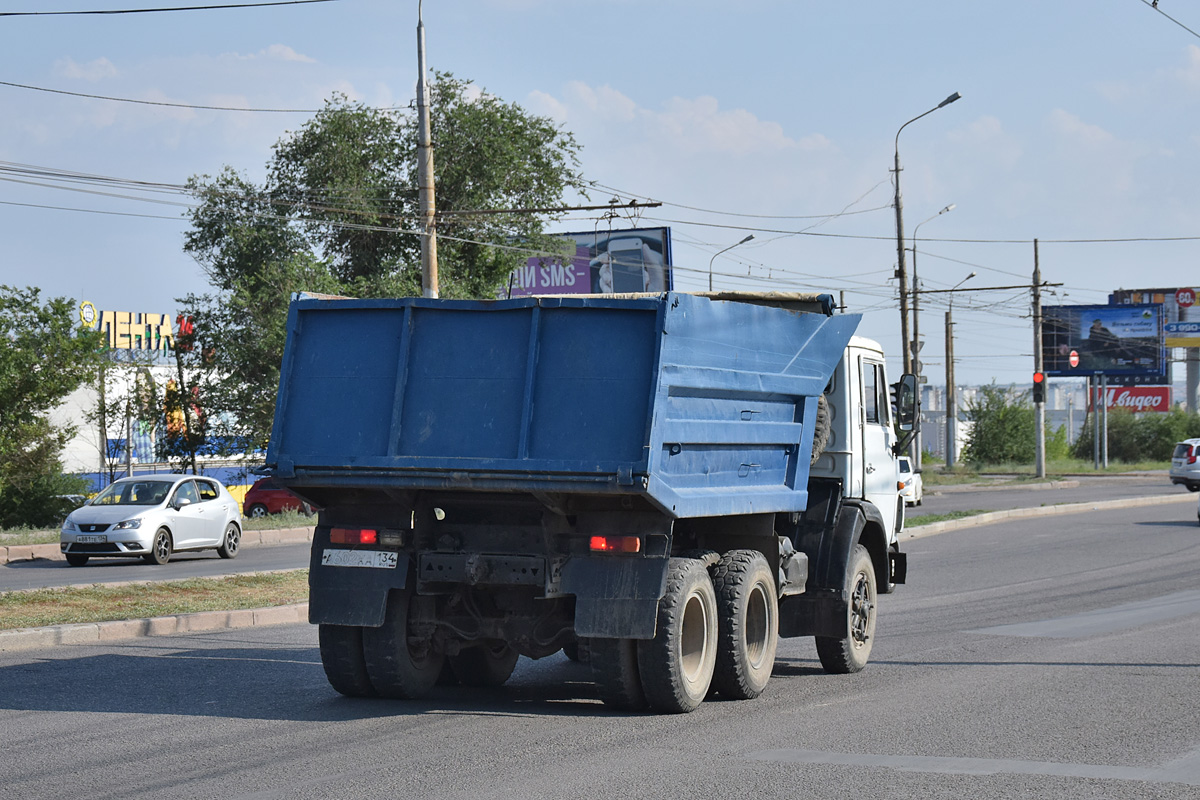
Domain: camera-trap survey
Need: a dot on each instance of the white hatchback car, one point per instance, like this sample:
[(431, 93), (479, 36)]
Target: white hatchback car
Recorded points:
[(913, 489), (153, 516), (1185, 464)]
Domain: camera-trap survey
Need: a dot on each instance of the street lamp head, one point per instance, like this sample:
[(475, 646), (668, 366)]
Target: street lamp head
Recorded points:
[(748, 238), (950, 207), (972, 275), (949, 100)]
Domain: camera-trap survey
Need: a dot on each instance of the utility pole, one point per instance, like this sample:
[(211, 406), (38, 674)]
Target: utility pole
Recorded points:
[(951, 411), (429, 265), (1039, 409)]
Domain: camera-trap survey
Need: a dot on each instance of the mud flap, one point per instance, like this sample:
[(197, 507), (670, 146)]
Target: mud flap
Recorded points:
[(350, 595), (615, 598)]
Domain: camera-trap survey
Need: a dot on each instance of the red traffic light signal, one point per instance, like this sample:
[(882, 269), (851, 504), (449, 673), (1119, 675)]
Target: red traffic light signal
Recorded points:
[(1039, 388)]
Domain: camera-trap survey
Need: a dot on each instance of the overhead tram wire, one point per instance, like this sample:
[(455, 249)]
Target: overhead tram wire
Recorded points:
[(162, 103), (109, 12)]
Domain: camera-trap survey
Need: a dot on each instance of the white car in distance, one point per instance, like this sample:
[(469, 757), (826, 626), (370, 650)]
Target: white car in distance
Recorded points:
[(911, 489), (153, 517)]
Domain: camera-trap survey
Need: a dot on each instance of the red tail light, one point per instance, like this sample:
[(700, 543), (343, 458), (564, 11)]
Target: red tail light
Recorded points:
[(353, 536), (616, 544)]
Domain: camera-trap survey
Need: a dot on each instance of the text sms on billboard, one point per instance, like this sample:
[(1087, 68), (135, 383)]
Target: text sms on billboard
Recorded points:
[(1103, 340), (603, 262)]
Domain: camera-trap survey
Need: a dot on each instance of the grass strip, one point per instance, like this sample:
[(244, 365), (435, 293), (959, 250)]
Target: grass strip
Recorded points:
[(926, 519), (99, 603)]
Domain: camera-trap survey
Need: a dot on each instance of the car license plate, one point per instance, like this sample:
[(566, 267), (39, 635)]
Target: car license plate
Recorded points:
[(378, 559), (91, 539)]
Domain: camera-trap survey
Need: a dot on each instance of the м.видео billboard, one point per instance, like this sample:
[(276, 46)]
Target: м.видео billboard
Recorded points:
[(605, 262), (1108, 340)]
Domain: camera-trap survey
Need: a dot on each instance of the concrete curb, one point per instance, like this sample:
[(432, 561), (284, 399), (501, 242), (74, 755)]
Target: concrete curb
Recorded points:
[(990, 517), (86, 633), (32, 552), (1003, 487)]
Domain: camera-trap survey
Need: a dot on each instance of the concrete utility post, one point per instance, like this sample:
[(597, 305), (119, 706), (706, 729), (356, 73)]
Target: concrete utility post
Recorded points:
[(901, 269), (429, 265), (951, 393), (1039, 409)]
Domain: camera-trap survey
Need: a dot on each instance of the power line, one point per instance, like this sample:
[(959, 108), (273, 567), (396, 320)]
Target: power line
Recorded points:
[(158, 10), (161, 102), (1154, 4)]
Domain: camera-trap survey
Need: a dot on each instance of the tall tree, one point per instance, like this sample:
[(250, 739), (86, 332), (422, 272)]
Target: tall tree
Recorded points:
[(45, 357), (338, 215)]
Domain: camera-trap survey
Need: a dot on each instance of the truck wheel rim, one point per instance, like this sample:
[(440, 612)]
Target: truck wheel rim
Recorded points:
[(758, 625), (861, 609), (693, 643)]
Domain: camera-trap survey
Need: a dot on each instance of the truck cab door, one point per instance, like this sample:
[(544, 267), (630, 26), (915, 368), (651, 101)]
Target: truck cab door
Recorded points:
[(879, 471)]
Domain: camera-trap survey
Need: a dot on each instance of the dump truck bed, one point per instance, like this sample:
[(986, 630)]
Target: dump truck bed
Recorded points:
[(703, 405)]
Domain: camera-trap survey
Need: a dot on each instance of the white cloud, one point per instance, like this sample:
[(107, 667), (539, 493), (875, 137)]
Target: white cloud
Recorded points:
[(1071, 127), (281, 52), (92, 71), (691, 125), (1190, 73)]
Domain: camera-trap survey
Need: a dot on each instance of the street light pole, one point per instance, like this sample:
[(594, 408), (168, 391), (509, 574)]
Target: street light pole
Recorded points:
[(951, 398), (901, 271), (916, 330), (714, 258)]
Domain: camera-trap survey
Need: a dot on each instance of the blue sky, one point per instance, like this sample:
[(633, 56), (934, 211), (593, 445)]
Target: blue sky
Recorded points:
[(1077, 122)]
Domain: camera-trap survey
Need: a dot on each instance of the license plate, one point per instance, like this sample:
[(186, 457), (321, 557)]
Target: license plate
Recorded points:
[(91, 539), (378, 559)]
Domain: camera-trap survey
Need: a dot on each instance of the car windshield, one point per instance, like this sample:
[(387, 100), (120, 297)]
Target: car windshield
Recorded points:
[(134, 493)]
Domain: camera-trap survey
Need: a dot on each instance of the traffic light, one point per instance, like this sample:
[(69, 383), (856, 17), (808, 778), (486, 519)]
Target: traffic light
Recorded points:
[(1039, 388)]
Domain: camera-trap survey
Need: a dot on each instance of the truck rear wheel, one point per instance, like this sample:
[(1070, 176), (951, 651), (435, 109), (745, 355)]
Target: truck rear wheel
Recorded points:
[(484, 665), (677, 664), (842, 656), (616, 673), (747, 624), (396, 667), (342, 658)]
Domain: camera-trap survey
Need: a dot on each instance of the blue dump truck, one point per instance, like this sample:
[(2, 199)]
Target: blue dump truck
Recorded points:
[(661, 484)]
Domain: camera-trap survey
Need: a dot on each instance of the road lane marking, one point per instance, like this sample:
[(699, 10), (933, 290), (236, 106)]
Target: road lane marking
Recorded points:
[(1104, 620)]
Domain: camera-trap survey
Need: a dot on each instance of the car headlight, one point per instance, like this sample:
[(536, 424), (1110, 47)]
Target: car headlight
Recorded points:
[(128, 524), (68, 525)]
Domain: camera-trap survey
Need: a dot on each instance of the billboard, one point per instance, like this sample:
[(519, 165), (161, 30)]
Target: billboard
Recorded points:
[(599, 262), (1181, 313), (1103, 340), (1138, 399)]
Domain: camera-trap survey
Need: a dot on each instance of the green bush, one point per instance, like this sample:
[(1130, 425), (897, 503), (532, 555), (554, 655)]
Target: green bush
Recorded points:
[(1140, 437)]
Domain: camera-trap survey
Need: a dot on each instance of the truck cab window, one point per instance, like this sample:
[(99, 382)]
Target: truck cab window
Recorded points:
[(870, 390)]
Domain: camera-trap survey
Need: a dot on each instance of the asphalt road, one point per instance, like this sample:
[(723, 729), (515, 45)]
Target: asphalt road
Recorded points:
[(19, 575), (1046, 658)]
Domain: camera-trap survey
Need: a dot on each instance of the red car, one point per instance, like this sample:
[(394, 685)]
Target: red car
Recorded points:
[(265, 497)]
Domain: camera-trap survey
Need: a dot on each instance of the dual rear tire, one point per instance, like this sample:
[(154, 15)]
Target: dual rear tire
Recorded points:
[(714, 632), (388, 662)]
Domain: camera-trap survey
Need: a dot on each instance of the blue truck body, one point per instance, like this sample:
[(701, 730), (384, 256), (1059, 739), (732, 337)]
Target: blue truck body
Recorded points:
[(621, 476), (705, 407)]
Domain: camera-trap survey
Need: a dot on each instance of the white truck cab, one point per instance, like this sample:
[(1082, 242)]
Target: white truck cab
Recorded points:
[(862, 445)]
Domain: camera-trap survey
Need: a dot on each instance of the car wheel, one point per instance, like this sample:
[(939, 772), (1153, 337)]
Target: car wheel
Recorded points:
[(160, 549), (76, 559), (256, 510), (1193, 487), (231, 542)]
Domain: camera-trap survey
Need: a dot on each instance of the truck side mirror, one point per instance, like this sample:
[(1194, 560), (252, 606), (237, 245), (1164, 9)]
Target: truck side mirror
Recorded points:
[(906, 403)]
